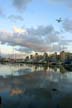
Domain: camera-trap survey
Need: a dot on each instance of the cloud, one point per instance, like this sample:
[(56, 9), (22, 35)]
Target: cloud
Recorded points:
[(19, 30), (67, 25), (65, 2), (15, 18), (21, 4), (41, 39), (57, 1), (24, 49), (2, 13)]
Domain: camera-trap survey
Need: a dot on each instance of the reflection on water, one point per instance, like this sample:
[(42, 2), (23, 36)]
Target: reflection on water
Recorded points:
[(6, 70), (30, 85), (16, 92)]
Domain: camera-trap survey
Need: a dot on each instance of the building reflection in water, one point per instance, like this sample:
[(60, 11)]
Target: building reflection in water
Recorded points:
[(34, 82)]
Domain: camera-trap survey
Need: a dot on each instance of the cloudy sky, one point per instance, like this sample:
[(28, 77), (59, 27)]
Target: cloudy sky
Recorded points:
[(28, 26)]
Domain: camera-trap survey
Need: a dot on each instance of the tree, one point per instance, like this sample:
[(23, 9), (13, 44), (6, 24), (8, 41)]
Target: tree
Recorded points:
[(31, 56), (27, 58), (45, 56)]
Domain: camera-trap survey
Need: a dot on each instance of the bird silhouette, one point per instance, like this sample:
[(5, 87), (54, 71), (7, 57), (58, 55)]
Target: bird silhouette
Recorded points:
[(59, 20)]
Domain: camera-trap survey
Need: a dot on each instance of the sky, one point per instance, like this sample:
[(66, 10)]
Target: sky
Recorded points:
[(28, 26)]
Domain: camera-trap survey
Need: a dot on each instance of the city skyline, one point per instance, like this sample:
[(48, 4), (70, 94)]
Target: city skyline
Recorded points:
[(28, 26)]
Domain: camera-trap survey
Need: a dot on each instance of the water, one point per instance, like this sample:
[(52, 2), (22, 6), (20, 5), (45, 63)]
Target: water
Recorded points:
[(34, 86)]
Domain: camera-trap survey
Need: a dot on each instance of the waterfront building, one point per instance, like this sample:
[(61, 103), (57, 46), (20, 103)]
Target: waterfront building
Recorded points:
[(62, 56)]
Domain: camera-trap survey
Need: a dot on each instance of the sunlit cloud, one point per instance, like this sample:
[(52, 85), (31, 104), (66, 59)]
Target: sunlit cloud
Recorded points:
[(35, 39), (19, 30), (40, 39)]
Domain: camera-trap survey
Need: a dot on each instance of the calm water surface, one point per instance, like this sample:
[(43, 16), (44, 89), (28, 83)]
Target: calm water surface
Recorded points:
[(33, 86)]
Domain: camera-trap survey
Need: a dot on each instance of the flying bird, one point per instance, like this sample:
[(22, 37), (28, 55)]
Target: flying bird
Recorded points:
[(59, 20)]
